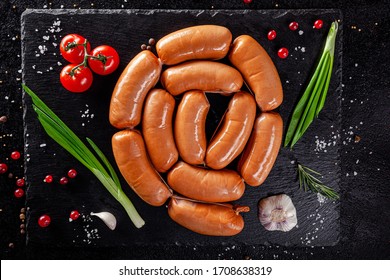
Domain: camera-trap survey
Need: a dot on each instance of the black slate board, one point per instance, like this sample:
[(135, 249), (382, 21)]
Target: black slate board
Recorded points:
[(126, 30)]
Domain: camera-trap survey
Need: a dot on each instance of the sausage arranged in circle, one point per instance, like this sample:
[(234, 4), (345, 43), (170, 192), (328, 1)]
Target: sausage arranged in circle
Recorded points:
[(196, 42)]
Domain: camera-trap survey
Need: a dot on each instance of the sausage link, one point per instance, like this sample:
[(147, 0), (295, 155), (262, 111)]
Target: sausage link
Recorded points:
[(132, 160), (207, 219), (196, 42), (203, 75), (141, 74), (205, 184), (262, 149), (190, 127), (260, 73), (157, 129), (234, 133)]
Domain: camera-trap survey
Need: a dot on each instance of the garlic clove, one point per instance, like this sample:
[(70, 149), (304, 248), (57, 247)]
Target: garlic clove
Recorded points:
[(108, 218), (277, 212)]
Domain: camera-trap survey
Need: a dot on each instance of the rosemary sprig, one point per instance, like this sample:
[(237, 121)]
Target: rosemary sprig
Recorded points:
[(308, 182), (66, 138), (313, 99)]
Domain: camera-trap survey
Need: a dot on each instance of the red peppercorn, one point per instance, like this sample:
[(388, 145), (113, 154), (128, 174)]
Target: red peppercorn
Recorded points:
[(19, 193), (20, 182), (283, 53), (318, 24), (247, 1), (271, 35), (74, 215), (3, 168), (15, 155), (293, 26), (48, 179), (44, 221), (64, 181), (72, 173)]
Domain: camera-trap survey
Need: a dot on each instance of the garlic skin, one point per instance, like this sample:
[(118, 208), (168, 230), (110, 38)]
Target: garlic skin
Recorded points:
[(277, 213), (108, 218)]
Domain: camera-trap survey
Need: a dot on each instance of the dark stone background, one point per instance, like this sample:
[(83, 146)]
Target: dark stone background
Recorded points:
[(365, 212)]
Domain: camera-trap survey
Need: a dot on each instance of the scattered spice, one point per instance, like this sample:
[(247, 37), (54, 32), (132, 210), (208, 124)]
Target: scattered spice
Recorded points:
[(22, 216), (22, 226), (11, 245), (22, 231), (23, 210), (10, 175), (148, 48), (143, 47), (152, 41), (3, 119), (357, 138)]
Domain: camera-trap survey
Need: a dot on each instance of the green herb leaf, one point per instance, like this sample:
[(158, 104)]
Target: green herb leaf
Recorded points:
[(313, 98), (67, 139)]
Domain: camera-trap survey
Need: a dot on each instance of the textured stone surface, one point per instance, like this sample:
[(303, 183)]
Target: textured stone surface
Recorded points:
[(364, 203)]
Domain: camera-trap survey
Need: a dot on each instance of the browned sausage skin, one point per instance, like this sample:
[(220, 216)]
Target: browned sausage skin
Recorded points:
[(130, 155), (202, 75), (141, 74), (260, 73), (205, 184), (196, 42), (234, 132), (157, 129), (207, 219), (190, 127), (262, 149)]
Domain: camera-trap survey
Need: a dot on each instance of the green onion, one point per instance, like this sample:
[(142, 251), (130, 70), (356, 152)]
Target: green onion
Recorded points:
[(313, 99), (66, 138), (308, 182)]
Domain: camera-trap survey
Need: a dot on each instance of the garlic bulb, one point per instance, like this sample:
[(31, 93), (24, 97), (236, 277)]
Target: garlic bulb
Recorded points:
[(108, 218), (277, 213)]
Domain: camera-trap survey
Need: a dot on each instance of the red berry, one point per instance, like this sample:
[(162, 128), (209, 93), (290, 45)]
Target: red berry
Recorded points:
[(318, 24), (293, 26), (19, 193), (64, 181), (247, 1), (3, 168), (48, 179), (44, 221), (72, 173), (283, 53), (271, 35), (20, 182), (74, 215), (15, 155)]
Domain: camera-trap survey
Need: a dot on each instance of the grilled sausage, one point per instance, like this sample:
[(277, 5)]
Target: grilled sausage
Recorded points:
[(205, 184), (132, 160), (157, 129), (203, 75), (190, 127), (234, 133), (196, 42), (262, 149), (140, 75), (207, 219), (259, 72)]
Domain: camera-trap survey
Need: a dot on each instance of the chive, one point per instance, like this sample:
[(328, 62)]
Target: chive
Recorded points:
[(67, 139), (313, 98)]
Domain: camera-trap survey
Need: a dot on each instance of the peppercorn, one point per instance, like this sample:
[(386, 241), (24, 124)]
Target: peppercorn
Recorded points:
[(22, 216), (3, 119), (143, 47), (11, 245), (22, 226), (148, 48), (23, 210), (152, 41)]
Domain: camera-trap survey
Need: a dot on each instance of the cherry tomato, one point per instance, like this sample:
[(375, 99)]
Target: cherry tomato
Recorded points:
[(104, 60), (72, 48), (78, 80)]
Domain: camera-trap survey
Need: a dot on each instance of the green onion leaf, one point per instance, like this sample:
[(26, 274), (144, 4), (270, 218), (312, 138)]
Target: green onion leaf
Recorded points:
[(313, 98), (67, 139)]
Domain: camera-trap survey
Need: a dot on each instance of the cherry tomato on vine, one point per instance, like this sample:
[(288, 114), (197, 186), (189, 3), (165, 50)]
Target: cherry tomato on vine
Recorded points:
[(103, 60), (76, 78), (72, 48)]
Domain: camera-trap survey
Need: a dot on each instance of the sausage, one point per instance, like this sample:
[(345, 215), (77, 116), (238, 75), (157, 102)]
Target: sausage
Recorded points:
[(207, 219), (197, 42), (190, 127), (157, 129), (262, 149), (259, 72), (205, 184), (141, 74), (203, 75), (234, 133), (130, 155)]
